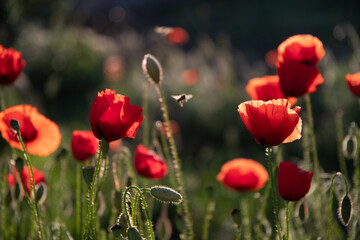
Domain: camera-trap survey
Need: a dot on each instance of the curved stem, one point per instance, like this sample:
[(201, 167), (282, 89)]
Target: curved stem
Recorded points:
[(208, 216), (176, 162), (128, 219), (33, 201), (276, 210), (144, 204), (331, 199)]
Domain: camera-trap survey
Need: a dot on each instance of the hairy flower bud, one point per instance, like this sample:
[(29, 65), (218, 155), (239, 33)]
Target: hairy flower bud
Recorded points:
[(165, 194), (152, 69)]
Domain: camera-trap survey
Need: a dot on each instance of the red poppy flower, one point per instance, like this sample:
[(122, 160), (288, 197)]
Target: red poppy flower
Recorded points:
[(112, 116), (177, 35), (26, 177), (11, 65), (190, 77), (266, 88), (271, 58), (40, 135), (83, 145), (272, 122), (353, 82), (293, 183), (149, 164), (243, 174), (296, 64)]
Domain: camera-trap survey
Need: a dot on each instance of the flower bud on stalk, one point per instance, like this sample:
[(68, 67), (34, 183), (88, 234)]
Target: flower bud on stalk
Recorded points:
[(152, 69)]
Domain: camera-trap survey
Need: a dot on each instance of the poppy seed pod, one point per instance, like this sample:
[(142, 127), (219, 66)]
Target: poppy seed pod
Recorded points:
[(152, 69), (293, 182)]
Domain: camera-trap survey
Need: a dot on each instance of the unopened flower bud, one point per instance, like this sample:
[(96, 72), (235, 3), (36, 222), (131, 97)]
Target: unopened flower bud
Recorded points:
[(133, 234), (166, 194), (19, 164), (236, 216), (15, 124), (88, 174), (152, 69), (41, 193), (345, 209)]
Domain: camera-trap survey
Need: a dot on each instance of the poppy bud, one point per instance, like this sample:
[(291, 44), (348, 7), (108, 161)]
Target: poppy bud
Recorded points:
[(152, 69), (19, 164), (293, 183), (345, 209), (133, 234), (166, 194), (15, 125), (88, 174), (236, 216)]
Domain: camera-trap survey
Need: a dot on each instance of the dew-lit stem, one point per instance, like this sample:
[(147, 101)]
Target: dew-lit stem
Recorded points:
[(276, 210), (91, 214), (287, 219), (144, 204), (33, 201), (313, 138), (176, 162), (78, 201)]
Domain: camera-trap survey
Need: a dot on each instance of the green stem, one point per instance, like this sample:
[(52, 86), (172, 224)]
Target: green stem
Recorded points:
[(176, 162), (339, 139), (33, 201), (2, 99), (313, 138), (287, 219), (91, 213), (145, 124), (125, 154), (276, 210), (3, 205), (78, 202), (208, 216), (144, 204), (238, 232)]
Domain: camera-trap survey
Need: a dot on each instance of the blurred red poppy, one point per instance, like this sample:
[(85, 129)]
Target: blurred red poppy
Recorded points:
[(114, 68), (272, 122), (40, 135), (26, 177), (296, 64), (271, 58), (11, 65), (84, 145), (266, 88), (353, 82), (190, 77), (293, 183), (174, 35), (149, 164), (112, 116), (243, 174)]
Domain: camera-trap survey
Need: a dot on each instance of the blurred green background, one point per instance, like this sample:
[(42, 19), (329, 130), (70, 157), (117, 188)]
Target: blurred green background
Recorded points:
[(75, 48)]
